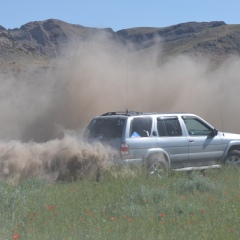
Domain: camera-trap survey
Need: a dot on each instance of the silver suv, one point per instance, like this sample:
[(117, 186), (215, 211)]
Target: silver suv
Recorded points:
[(178, 141)]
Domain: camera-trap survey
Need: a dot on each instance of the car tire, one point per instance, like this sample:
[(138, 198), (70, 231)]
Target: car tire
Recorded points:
[(157, 165), (233, 158)]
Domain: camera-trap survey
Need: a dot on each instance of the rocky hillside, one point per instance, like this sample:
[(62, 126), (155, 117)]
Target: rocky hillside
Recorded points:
[(44, 39), (146, 37), (215, 40)]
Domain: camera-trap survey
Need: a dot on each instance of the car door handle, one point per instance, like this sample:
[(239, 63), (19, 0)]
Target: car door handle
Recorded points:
[(191, 140)]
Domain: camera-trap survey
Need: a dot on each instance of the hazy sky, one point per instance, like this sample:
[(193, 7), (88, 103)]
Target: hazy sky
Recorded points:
[(119, 14)]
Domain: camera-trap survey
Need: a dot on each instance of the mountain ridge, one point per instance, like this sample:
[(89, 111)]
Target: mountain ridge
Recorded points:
[(216, 39)]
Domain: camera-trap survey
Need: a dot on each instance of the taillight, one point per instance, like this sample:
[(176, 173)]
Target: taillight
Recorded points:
[(124, 149)]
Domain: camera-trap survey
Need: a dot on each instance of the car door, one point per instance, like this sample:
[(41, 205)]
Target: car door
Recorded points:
[(205, 143), (140, 137), (172, 139)]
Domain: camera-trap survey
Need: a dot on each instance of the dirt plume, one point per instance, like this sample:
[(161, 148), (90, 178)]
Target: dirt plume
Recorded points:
[(56, 160)]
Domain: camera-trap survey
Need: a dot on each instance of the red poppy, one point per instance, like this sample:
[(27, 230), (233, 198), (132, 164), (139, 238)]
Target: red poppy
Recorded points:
[(16, 236), (89, 213), (50, 208)]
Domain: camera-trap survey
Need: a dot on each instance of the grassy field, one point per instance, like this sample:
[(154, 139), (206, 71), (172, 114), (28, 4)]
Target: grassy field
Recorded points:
[(124, 204)]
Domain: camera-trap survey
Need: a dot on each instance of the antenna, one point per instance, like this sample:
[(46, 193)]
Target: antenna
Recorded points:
[(127, 85), (221, 116)]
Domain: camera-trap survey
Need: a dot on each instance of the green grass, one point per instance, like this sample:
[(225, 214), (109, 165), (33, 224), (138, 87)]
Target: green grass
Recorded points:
[(125, 205)]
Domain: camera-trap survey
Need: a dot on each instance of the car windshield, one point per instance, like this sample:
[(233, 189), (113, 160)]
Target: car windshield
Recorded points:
[(106, 128)]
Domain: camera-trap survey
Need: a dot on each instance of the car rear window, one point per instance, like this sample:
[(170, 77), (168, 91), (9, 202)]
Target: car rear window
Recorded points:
[(106, 128)]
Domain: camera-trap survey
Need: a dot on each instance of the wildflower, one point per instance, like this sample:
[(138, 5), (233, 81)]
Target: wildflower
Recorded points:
[(16, 236), (52, 207), (89, 213), (124, 216), (113, 218), (202, 210), (162, 215), (81, 219), (130, 219)]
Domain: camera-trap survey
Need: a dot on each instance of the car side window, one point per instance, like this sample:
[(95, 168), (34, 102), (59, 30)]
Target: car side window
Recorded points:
[(169, 127), (196, 127), (141, 127)]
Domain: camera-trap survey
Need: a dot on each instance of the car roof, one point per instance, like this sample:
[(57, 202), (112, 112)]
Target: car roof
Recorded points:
[(136, 113)]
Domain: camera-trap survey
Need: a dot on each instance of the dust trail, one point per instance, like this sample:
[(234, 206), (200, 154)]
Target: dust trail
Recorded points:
[(97, 76), (65, 159)]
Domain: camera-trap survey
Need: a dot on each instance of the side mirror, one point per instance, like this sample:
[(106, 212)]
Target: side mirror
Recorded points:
[(214, 132)]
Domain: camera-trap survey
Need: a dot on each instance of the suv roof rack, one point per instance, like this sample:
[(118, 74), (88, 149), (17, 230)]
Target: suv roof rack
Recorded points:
[(126, 113)]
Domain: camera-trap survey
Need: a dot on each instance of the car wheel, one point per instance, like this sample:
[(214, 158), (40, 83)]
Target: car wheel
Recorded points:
[(233, 158), (157, 165)]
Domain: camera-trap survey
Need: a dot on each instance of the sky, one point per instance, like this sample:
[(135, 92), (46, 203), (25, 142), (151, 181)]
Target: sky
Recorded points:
[(119, 14)]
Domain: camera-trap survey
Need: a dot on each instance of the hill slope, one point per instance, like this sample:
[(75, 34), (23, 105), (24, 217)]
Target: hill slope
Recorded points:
[(44, 39)]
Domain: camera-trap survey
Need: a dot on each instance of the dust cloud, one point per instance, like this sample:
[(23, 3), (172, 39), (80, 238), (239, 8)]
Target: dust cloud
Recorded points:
[(55, 160), (97, 76)]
